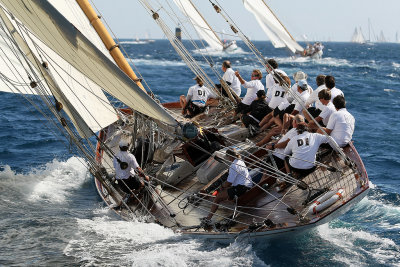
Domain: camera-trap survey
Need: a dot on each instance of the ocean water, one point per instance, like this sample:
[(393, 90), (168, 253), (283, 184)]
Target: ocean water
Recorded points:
[(51, 215)]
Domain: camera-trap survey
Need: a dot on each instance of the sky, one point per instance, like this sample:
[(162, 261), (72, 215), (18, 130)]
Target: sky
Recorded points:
[(322, 20)]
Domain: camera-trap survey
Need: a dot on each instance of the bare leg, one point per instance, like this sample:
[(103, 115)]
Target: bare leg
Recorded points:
[(274, 131), (223, 195), (266, 119), (182, 101)]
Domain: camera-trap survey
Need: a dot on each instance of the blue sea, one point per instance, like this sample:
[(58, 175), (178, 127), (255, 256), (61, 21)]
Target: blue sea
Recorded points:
[(51, 215)]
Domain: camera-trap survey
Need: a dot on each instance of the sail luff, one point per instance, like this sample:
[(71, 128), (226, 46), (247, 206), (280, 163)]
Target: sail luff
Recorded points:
[(283, 26), (201, 26), (56, 32), (205, 21), (272, 27)]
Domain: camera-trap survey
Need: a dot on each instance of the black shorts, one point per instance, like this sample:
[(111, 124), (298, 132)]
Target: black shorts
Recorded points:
[(301, 173), (314, 111), (194, 109), (247, 120), (242, 108), (237, 190), (133, 182), (288, 110)]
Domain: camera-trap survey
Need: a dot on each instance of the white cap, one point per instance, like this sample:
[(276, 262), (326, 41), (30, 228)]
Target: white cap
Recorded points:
[(302, 84), (299, 76), (123, 143)]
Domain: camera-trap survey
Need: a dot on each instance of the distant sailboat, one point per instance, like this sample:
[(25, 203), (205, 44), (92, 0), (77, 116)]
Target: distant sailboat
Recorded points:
[(397, 39), (273, 28), (381, 38), (358, 37)]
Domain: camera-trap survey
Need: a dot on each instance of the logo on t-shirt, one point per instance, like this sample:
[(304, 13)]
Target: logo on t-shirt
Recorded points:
[(301, 142)]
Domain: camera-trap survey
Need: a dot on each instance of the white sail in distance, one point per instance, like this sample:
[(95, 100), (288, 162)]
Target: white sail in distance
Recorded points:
[(56, 32), (200, 24), (358, 37), (272, 27)]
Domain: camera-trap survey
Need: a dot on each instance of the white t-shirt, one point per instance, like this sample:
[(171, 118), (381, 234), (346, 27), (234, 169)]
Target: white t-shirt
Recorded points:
[(279, 152), (315, 99), (270, 82), (278, 95), (198, 95), (293, 90), (327, 112), (229, 76), (303, 98), (342, 125), (253, 87), (238, 174), (127, 157), (303, 148), (335, 92)]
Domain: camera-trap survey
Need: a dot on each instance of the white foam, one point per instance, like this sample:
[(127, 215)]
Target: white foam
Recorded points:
[(214, 52), (142, 244), (151, 62), (389, 90), (353, 246), (56, 180), (396, 65)]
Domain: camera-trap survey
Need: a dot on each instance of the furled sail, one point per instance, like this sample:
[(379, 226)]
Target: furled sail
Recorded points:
[(272, 27), (56, 32), (358, 37), (201, 26)]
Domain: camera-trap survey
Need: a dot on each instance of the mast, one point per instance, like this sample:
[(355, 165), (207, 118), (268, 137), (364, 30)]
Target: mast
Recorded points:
[(108, 41)]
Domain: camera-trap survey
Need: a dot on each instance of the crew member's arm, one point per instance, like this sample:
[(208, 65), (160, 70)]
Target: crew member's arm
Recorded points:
[(239, 77)]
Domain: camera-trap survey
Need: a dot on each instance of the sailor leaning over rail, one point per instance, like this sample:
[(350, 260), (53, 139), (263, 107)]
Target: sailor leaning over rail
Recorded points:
[(237, 183), (127, 170)]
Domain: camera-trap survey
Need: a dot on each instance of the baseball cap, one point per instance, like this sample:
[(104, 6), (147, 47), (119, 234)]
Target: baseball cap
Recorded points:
[(302, 84)]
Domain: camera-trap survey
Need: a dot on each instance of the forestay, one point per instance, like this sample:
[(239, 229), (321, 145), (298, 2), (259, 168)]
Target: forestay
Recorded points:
[(201, 26), (272, 27), (55, 31)]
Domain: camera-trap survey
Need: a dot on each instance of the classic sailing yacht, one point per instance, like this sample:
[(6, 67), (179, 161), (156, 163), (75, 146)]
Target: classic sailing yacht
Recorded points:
[(358, 37), (275, 30), (66, 66)]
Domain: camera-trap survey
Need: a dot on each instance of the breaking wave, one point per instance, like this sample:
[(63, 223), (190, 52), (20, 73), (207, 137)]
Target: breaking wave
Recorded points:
[(103, 240)]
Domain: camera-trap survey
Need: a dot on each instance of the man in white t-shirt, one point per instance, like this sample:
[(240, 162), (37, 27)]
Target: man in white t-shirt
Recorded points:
[(278, 97), (314, 99), (322, 119), (230, 78), (269, 80), (127, 169), (303, 149), (341, 123), (253, 87), (330, 84), (237, 183), (284, 118), (195, 101)]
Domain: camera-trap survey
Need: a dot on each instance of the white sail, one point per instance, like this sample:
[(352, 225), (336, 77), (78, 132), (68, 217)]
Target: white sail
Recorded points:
[(272, 27), (381, 38), (358, 37), (201, 26), (56, 32), (83, 101)]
